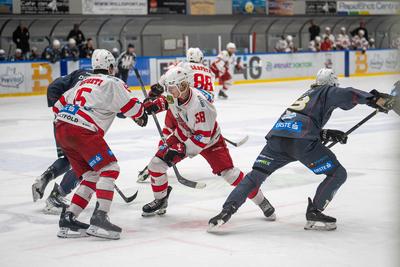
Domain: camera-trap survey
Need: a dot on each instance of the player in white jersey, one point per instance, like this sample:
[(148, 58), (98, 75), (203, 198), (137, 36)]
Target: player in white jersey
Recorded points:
[(199, 76), (84, 114), (197, 132), (222, 67)]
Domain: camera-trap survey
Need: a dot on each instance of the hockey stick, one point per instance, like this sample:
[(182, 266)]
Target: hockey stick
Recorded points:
[(237, 144), (125, 198), (180, 178), (352, 129)]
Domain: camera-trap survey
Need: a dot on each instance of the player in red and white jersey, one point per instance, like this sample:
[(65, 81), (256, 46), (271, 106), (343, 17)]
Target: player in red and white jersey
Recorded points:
[(84, 114), (199, 76), (223, 66), (197, 132)]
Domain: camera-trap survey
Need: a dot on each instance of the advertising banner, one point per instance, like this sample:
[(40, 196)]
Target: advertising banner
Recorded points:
[(374, 62), (321, 7), (368, 7), (281, 7), (44, 6), (202, 7), (249, 7), (167, 6), (115, 7), (27, 77), (6, 6)]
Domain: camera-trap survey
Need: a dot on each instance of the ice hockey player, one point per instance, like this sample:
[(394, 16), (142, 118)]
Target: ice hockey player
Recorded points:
[(200, 77), (84, 114), (197, 132), (297, 136), (56, 200), (222, 68)]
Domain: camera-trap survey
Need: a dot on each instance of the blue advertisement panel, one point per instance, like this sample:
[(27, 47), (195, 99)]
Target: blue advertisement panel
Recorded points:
[(6, 6), (249, 7)]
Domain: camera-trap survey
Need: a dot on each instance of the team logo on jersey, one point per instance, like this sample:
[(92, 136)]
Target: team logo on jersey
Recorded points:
[(323, 168), (70, 109), (263, 160), (289, 126), (170, 99), (198, 137), (95, 160)]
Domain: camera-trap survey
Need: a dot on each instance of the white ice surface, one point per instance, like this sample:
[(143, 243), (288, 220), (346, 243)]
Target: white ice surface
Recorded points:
[(366, 206)]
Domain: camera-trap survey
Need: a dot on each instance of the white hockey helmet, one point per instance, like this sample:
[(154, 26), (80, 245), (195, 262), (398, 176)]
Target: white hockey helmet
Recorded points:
[(327, 29), (343, 29), (56, 43), (361, 33), (318, 39), (71, 42), (194, 54), (327, 76), (230, 45), (289, 38), (102, 59), (174, 78)]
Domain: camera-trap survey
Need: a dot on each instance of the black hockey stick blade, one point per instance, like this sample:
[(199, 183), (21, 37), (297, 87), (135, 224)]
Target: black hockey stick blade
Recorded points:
[(180, 178), (237, 144), (125, 198)]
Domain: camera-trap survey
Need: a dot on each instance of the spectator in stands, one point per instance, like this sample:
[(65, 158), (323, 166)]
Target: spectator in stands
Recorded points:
[(70, 50), (125, 62), (21, 38), (33, 54), (314, 30), (87, 49), (327, 44), (281, 45), (52, 53), (329, 34), (315, 45), (18, 55), (343, 40), (115, 52), (359, 42), (361, 27), (77, 35), (3, 56)]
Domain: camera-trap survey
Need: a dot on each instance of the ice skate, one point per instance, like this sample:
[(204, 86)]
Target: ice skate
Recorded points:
[(222, 94), (143, 175), (268, 210), (70, 227), (56, 202), (224, 216), (100, 226), (316, 220), (40, 183), (157, 206)]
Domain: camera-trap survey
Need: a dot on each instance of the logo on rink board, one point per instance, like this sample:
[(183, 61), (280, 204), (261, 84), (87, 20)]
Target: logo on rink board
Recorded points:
[(95, 160)]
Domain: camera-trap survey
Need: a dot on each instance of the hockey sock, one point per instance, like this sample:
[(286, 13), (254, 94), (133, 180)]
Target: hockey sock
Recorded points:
[(105, 186), (60, 166), (159, 180), (68, 183), (84, 192)]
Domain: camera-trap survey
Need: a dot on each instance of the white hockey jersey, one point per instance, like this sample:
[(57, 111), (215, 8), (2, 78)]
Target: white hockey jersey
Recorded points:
[(200, 76), (196, 118), (95, 101), (224, 62)]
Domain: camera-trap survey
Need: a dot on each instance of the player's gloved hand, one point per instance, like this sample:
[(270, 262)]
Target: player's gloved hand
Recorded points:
[(328, 135), (383, 102), (156, 105), (142, 121), (156, 90), (175, 153), (121, 115)]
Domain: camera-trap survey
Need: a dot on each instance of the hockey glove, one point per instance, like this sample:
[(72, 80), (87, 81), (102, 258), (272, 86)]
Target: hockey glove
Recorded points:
[(142, 121), (156, 90), (328, 135), (156, 105), (175, 153), (382, 102), (121, 115)]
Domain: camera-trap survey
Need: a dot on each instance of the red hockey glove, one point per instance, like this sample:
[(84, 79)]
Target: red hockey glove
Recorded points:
[(155, 106)]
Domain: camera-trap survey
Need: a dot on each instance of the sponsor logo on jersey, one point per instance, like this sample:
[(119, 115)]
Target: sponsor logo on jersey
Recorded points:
[(68, 117), (198, 137), (289, 115), (95, 160), (290, 126), (70, 109), (263, 160), (323, 168)]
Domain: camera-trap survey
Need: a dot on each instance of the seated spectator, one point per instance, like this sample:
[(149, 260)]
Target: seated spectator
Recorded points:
[(115, 52), (3, 56), (343, 40), (77, 35), (125, 62), (281, 45), (327, 44), (52, 53), (70, 50), (359, 42), (87, 49), (18, 55), (315, 45)]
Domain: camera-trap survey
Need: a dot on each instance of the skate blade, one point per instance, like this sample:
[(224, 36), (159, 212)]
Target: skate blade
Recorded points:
[(214, 228), (320, 226), (68, 233), (102, 233), (160, 212), (271, 218)]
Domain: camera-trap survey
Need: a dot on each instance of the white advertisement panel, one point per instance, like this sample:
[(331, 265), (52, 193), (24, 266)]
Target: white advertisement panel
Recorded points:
[(27, 77), (269, 67), (374, 62), (368, 7), (115, 7)]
